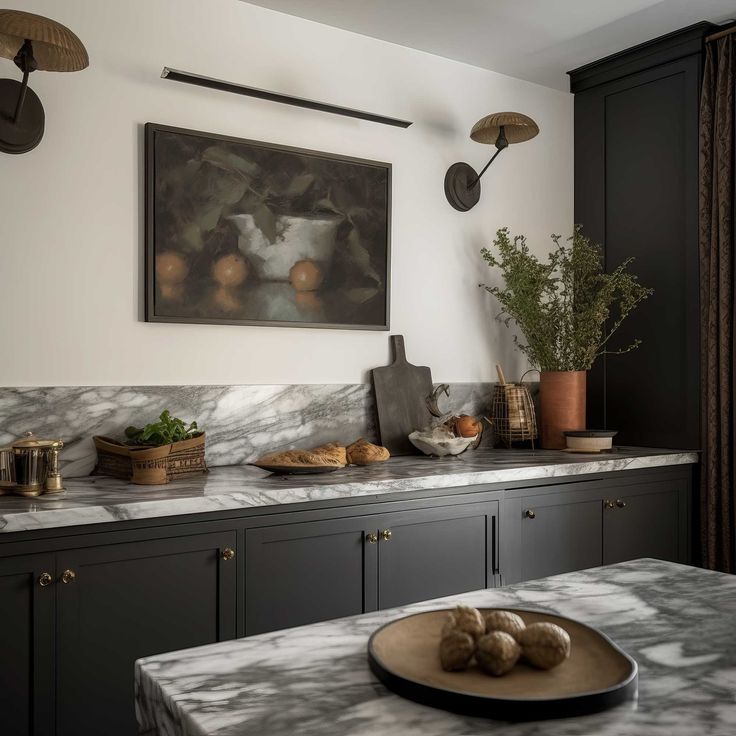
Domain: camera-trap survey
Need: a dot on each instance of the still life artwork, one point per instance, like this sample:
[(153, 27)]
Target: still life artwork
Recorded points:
[(252, 233)]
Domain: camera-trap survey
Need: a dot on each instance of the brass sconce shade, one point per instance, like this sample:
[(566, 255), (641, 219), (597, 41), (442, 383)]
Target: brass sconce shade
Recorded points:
[(501, 129), (33, 43)]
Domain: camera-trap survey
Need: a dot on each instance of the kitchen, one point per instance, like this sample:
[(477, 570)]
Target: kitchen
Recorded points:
[(276, 262)]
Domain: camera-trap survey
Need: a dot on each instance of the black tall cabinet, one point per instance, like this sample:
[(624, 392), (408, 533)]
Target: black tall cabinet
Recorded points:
[(636, 192)]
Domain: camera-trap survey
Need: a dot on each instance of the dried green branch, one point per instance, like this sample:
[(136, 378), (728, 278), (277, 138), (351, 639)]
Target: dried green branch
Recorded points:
[(568, 307)]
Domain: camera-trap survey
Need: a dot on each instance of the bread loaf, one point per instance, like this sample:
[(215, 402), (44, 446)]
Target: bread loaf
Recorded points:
[(362, 452), (324, 455)]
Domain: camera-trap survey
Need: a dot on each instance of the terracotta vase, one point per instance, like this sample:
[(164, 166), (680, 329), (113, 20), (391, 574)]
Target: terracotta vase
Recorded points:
[(561, 404)]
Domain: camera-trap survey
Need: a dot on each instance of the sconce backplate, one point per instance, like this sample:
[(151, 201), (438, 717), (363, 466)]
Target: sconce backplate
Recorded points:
[(458, 191), (26, 134)]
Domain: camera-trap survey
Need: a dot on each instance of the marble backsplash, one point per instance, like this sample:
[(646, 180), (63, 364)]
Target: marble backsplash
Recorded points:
[(242, 422)]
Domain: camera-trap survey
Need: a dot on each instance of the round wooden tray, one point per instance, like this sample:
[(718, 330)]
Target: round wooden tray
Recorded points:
[(598, 675)]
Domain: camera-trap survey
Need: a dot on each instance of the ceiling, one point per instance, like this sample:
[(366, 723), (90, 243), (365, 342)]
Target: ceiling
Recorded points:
[(537, 40)]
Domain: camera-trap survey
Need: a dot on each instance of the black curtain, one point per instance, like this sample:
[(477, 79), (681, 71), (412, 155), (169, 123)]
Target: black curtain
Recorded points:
[(717, 497)]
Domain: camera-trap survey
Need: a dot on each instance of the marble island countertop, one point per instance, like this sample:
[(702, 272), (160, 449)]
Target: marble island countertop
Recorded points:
[(98, 499), (676, 621)]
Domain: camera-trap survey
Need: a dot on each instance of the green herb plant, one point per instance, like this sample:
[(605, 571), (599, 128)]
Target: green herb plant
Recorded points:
[(568, 307), (165, 431)]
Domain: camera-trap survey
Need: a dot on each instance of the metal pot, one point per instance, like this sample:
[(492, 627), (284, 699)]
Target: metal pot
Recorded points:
[(35, 465)]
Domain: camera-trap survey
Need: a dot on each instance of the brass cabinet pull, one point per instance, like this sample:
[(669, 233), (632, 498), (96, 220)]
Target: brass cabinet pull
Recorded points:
[(607, 504), (530, 514), (371, 538), (68, 576), (44, 579), (386, 535), (620, 503), (227, 554)]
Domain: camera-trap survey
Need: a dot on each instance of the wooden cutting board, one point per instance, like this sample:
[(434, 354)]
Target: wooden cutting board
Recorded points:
[(401, 391)]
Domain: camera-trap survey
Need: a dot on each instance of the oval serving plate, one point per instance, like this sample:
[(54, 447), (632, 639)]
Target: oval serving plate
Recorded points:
[(598, 675), (299, 469)]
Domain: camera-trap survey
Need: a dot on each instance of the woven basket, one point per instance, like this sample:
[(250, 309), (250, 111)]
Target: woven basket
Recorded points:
[(514, 418), (150, 465)]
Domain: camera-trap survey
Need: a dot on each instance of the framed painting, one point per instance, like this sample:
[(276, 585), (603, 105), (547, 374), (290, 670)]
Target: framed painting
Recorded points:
[(248, 233)]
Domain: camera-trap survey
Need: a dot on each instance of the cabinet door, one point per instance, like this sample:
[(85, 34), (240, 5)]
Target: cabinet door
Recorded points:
[(132, 600), (430, 553), (310, 571), (559, 536), (642, 525), (26, 646)]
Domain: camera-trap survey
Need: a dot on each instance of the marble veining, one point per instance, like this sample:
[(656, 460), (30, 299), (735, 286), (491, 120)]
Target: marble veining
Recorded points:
[(99, 499), (242, 422), (676, 621)]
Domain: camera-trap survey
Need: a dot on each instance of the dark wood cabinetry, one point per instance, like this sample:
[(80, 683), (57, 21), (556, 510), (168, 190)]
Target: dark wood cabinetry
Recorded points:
[(127, 601), (574, 526), (312, 571), (558, 534), (134, 589), (27, 645), (68, 641), (636, 192), (644, 522)]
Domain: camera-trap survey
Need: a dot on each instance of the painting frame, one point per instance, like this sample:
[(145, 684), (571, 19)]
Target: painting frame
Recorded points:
[(150, 314)]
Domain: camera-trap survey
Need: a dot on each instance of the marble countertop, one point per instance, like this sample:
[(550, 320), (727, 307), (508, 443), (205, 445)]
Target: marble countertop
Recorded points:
[(97, 499), (676, 621)]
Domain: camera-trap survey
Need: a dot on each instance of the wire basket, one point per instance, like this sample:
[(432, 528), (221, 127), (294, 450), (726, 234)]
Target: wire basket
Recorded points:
[(514, 418)]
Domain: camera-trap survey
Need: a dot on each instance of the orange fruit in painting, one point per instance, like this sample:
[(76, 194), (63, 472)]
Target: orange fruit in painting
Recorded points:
[(230, 270), (224, 300), (172, 292), (305, 276), (308, 301), (171, 268)]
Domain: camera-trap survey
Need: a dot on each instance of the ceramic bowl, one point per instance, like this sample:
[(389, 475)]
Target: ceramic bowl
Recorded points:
[(440, 444)]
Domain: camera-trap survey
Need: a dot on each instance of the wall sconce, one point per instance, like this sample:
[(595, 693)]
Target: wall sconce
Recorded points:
[(32, 42), (462, 183)]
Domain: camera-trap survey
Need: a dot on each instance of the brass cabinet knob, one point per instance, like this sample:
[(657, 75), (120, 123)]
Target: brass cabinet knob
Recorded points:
[(371, 538), (44, 579), (620, 503), (386, 535), (227, 554), (530, 514), (68, 576), (607, 503)]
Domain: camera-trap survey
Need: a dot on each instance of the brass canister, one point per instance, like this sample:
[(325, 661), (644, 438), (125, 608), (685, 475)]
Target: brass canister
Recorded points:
[(35, 465)]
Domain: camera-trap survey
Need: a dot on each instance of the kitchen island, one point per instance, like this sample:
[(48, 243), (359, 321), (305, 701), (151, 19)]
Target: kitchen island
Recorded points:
[(676, 621)]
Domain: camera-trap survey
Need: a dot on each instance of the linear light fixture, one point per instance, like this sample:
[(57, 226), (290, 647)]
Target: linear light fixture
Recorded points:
[(240, 89)]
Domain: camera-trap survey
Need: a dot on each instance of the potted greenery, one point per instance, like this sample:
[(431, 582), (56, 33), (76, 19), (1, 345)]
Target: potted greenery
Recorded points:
[(567, 308), (154, 454)]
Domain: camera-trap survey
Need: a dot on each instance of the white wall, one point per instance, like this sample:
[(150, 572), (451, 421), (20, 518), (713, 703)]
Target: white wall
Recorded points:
[(71, 211)]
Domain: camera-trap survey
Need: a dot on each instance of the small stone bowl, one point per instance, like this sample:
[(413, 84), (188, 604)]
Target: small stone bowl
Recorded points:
[(430, 444)]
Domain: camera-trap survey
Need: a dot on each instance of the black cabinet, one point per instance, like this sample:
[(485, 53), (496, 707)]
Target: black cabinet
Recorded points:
[(636, 192), (312, 571), (74, 622), (574, 526), (559, 534), (126, 601), (643, 522), (435, 552), (27, 645)]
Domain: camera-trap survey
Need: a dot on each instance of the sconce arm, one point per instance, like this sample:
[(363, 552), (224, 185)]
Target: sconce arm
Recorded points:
[(485, 168)]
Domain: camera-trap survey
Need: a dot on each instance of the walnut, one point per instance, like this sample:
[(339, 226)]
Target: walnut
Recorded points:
[(506, 621), (467, 619), (497, 653), (456, 650), (545, 645), (362, 452)]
